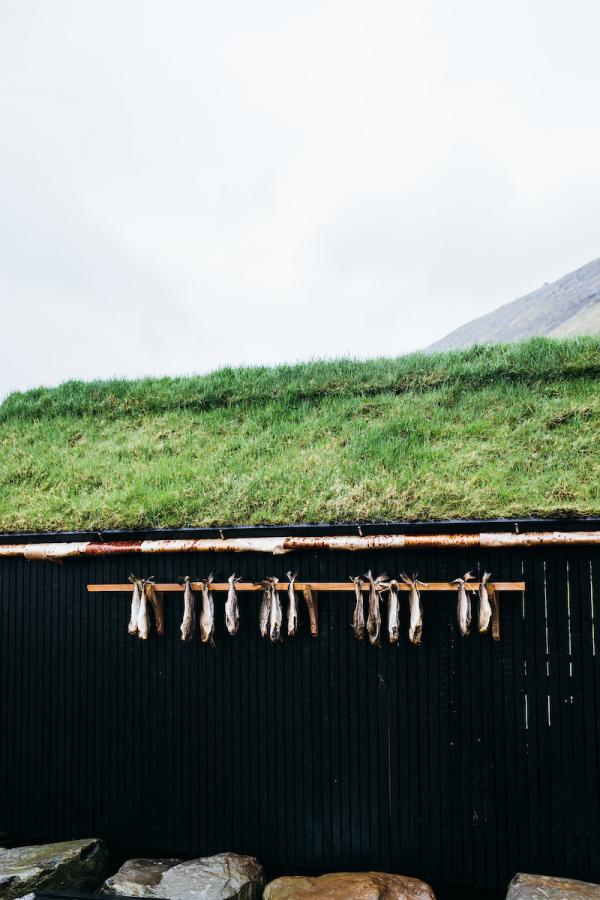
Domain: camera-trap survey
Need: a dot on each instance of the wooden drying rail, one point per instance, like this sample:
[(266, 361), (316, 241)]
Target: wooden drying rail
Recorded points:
[(317, 587)]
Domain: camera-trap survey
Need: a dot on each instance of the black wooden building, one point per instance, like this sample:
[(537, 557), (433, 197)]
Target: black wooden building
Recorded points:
[(460, 761)]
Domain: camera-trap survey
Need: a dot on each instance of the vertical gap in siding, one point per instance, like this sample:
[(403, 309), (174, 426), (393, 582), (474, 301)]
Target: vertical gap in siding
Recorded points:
[(592, 609), (589, 711), (569, 631), (547, 639), (525, 672)]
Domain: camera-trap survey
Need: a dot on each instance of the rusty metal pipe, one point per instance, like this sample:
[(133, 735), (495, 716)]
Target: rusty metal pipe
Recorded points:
[(281, 545)]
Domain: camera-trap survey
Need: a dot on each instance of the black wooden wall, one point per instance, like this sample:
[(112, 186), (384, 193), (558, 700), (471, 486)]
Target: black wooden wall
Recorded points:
[(460, 761)]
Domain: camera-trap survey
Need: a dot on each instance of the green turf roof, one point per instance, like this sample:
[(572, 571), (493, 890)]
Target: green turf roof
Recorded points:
[(507, 430)]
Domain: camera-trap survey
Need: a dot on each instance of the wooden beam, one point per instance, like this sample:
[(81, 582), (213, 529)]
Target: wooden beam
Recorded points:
[(327, 586)]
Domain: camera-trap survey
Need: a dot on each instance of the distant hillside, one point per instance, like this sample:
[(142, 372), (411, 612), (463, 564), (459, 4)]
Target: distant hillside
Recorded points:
[(511, 430), (567, 307)]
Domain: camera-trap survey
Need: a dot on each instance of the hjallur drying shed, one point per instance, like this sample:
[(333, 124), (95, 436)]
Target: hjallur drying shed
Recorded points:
[(460, 759)]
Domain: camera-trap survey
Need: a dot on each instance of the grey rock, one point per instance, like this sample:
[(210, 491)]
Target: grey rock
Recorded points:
[(137, 877), (214, 878), (546, 887), (226, 875), (66, 865)]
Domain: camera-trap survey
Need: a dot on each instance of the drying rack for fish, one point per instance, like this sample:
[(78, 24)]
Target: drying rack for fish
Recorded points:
[(317, 587)]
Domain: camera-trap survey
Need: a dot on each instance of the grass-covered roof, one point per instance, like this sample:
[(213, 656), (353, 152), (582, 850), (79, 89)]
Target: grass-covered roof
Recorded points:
[(507, 430)]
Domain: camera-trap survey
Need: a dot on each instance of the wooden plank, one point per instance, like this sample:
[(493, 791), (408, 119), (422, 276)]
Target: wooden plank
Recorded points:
[(329, 586)]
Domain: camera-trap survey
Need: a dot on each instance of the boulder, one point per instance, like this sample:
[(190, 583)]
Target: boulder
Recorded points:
[(136, 876), (69, 864), (214, 878), (546, 887), (357, 885), (207, 878)]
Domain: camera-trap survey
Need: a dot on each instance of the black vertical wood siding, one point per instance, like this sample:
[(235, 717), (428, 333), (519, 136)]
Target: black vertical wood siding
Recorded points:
[(461, 761)]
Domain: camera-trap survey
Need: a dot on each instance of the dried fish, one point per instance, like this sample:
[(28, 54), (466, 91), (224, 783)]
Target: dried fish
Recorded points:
[(232, 609), (135, 604), (275, 614), (358, 619), (463, 609), (189, 601), (143, 626), (155, 599), (207, 616), (374, 617), (312, 607), (292, 616), (393, 612), (485, 607), (415, 628), (265, 609)]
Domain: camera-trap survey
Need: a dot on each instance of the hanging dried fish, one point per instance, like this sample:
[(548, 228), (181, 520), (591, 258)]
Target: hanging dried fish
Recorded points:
[(374, 617), (312, 606), (275, 614), (135, 604), (265, 609), (393, 612), (155, 598), (207, 616), (189, 602), (485, 607), (415, 628), (463, 608), (143, 626), (232, 609), (292, 615), (358, 619)]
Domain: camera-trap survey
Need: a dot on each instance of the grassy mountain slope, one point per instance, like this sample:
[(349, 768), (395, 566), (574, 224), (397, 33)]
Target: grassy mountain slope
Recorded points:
[(567, 307), (504, 430)]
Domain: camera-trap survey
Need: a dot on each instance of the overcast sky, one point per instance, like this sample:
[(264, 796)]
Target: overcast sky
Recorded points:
[(185, 185)]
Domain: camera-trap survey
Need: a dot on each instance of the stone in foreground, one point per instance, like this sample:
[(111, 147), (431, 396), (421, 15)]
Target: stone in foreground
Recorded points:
[(220, 877), (136, 876), (357, 885), (546, 887), (214, 878), (66, 865)]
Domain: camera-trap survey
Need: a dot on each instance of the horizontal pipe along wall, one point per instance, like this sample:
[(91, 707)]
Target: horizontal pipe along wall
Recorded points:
[(460, 761)]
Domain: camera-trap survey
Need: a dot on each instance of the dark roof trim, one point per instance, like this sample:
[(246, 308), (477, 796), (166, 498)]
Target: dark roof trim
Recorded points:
[(447, 526)]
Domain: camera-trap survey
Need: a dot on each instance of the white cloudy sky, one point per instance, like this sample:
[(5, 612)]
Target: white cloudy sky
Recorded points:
[(188, 184)]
